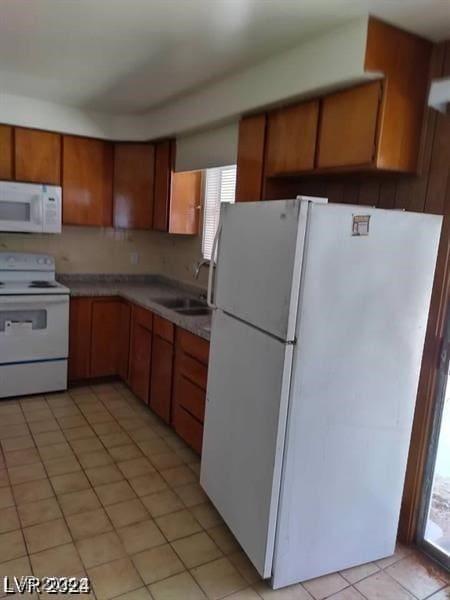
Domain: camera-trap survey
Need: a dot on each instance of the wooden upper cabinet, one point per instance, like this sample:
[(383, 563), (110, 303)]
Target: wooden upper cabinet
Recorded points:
[(404, 59), (185, 202), (134, 167), (37, 156), (348, 127), (291, 139), (6, 152), (164, 166), (378, 125), (250, 158), (87, 181)]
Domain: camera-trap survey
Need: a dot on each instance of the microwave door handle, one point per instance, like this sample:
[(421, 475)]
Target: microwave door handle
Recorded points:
[(36, 209)]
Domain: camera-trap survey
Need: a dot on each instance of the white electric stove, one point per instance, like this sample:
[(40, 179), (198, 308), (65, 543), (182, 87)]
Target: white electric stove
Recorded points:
[(34, 325)]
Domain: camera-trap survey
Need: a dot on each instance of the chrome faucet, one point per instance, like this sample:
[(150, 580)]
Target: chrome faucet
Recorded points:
[(200, 264)]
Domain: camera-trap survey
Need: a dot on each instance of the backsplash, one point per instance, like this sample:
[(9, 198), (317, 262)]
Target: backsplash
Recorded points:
[(96, 250)]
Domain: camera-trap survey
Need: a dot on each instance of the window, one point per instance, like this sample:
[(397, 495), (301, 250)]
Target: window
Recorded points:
[(220, 186)]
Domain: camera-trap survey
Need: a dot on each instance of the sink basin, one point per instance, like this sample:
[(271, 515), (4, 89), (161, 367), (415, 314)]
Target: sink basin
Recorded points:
[(195, 311), (182, 303)]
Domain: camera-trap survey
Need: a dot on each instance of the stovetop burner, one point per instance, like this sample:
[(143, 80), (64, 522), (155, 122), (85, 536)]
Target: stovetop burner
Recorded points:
[(42, 284)]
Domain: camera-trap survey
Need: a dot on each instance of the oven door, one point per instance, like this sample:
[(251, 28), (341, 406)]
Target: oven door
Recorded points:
[(33, 328), (21, 207)]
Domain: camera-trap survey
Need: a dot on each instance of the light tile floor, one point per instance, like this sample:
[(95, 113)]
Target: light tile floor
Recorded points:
[(92, 483)]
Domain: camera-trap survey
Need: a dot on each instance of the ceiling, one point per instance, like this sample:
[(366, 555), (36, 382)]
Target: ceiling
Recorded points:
[(127, 56)]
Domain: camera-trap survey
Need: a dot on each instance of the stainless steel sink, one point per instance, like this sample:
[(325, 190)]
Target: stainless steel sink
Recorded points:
[(193, 311), (178, 304)]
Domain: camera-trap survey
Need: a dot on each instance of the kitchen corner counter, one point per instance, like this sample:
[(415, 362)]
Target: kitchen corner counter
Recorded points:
[(143, 290)]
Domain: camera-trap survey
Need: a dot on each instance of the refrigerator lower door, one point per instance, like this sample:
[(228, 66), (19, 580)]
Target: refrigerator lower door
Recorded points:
[(245, 420), (259, 263)]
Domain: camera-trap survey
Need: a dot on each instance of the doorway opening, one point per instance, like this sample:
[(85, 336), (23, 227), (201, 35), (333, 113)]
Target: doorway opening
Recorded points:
[(434, 529)]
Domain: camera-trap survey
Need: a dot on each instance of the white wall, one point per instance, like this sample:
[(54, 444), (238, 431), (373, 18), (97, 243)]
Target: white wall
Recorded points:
[(40, 114), (212, 148), (332, 59)]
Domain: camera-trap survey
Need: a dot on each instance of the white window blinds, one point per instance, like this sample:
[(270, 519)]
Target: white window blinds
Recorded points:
[(220, 186)]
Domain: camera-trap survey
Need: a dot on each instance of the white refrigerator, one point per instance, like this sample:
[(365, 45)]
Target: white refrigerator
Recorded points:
[(316, 345)]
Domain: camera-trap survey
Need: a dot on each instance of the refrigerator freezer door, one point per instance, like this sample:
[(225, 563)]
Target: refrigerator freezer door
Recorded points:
[(247, 398), (259, 263), (361, 328)]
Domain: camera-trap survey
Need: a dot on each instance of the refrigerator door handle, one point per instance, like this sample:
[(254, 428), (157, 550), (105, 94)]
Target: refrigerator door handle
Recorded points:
[(211, 279)]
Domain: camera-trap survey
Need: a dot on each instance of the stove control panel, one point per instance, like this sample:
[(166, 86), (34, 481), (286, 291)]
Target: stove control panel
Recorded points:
[(22, 261)]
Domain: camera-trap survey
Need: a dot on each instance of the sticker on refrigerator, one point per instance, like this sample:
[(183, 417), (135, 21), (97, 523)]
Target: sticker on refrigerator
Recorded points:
[(360, 225)]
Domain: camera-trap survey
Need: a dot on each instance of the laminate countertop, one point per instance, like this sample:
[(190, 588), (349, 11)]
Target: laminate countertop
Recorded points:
[(144, 290)]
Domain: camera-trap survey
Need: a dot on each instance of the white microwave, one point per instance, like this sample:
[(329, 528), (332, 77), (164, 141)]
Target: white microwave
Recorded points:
[(30, 207)]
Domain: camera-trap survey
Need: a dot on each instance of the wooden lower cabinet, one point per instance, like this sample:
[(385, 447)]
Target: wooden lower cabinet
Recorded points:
[(80, 320), (104, 338), (96, 346), (165, 366), (161, 378), (188, 428), (140, 353), (189, 387), (124, 340)]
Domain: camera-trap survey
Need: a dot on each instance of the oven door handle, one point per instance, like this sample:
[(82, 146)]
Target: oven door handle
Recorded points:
[(32, 300)]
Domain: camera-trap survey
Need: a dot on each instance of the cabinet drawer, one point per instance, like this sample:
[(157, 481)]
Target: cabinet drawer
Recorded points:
[(188, 428), (164, 328), (190, 397), (143, 317), (192, 369), (193, 345)]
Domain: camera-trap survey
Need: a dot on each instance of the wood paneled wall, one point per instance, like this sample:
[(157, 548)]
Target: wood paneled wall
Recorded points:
[(428, 191)]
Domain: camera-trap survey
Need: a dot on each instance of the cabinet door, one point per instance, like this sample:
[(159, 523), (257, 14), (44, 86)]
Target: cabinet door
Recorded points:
[(124, 340), (87, 181), (104, 337), (185, 202), (37, 156), (6, 153), (348, 127), (134, 166), (164, 159), (80, 338), (250, 158), (161, 378), (141, 354), (292, 138)]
